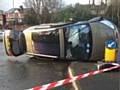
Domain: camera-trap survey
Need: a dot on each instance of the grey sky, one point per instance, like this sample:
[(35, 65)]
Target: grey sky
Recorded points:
[(7, 4)]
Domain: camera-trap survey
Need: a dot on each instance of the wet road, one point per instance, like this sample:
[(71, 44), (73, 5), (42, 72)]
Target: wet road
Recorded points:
[(25, 72)]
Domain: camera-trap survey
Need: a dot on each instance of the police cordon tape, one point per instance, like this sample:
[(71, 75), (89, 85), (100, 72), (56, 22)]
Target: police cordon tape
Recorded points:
[(71, 79)]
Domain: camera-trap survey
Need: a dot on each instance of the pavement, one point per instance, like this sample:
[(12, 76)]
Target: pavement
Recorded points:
[(25, 72)]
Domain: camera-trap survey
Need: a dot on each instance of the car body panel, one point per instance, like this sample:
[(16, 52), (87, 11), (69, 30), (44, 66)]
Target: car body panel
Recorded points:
[(29, 45), (100, 33)]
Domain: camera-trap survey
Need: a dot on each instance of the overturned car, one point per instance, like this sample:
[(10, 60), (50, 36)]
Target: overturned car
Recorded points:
[(84, 40)]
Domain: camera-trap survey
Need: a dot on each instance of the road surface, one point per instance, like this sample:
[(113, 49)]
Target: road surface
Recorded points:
[(26, 72)]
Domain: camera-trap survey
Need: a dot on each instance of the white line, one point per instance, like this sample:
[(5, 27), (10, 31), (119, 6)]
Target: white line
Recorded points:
[(73, 79)]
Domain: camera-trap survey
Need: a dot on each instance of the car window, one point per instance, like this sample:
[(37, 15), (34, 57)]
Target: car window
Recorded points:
[(73, 35), (46, 42), (108, 23)]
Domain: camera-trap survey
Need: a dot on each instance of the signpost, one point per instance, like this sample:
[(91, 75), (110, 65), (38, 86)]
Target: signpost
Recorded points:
[(110, 51)]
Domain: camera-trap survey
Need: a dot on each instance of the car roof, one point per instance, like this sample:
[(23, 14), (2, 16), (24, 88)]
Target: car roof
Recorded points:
[(53, 26)]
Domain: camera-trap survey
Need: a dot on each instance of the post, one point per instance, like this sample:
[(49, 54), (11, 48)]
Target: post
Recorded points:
[(14, 18), (110, 51), (3, 21)]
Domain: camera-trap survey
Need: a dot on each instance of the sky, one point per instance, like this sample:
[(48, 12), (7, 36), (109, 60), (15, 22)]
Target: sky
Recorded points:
[(7, 4)]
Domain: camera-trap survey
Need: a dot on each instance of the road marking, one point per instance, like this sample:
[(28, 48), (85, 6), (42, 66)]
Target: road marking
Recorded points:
[(71, 79), (70, 71)]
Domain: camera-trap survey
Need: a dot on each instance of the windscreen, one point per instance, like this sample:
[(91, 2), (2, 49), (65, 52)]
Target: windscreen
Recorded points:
[(78, 42)]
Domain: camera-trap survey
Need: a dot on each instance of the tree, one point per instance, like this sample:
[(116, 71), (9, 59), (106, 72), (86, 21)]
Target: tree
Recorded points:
[(43, 9), (82, 12), (106, 2), (31, 18), (65, 14), (21, 8), (77, 13), (113, 12), (93, 2)]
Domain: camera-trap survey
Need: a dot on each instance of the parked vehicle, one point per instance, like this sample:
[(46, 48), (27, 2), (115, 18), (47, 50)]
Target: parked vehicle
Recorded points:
[(84, 40)]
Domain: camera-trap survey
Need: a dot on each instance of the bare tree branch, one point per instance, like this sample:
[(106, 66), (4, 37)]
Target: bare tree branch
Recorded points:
[(44, 8)]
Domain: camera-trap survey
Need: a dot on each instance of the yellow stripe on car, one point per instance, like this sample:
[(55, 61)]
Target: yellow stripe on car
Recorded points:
[(28, 37)]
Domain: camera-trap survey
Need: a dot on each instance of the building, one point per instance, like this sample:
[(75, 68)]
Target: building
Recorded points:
[(94, 9), (14, 14), (1, 13)]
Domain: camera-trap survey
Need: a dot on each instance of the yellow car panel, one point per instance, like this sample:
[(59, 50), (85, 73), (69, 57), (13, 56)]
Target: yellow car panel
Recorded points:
[(28, 38)]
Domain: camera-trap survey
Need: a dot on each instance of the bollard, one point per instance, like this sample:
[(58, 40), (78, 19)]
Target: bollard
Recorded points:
[(110, 51)]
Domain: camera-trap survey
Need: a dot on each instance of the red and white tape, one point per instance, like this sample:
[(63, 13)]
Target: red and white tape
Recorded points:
[(71, 79)]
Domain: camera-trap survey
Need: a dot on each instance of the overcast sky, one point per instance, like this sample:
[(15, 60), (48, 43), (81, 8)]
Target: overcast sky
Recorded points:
[(7, 4)]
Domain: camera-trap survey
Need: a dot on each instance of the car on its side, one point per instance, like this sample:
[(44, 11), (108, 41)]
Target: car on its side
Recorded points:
[(83, 40)]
